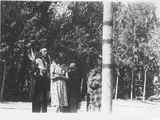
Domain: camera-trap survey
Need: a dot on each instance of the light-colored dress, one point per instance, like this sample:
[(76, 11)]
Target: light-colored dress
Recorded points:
[(58, 85)]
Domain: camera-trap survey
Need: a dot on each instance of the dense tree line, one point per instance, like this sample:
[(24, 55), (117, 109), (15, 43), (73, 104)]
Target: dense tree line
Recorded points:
[(134, 53), (74, 28)]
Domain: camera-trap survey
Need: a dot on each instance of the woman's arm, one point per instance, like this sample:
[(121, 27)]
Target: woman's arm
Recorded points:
[(52, 71), (67, 76)]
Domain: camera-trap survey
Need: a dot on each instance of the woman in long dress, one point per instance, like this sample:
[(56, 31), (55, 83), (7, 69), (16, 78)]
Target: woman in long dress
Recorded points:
[(58, 86)]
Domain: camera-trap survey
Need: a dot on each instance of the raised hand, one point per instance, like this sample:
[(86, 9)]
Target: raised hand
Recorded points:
[(32, 55)]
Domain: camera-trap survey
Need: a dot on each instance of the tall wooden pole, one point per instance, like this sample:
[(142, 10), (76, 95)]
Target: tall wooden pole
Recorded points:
[(3, 82), (144, 86), (106, 52), (132, 79), (116, 94)]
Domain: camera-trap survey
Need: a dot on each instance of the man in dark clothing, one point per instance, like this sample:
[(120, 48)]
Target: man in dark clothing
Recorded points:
[(74, 87), (41, 83)]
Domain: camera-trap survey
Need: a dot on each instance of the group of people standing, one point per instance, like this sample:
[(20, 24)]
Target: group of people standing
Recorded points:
[(55, 84)]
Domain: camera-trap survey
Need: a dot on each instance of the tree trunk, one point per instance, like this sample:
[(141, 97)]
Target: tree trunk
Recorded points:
[(106, 70), (144, 86), (3, 83), (131, 94)]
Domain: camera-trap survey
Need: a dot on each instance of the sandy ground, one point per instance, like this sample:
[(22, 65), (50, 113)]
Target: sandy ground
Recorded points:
[(136, 110), (122, 110)]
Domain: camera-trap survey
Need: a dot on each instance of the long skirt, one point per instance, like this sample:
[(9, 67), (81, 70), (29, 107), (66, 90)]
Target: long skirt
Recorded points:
[(39, 94), (59, 93)]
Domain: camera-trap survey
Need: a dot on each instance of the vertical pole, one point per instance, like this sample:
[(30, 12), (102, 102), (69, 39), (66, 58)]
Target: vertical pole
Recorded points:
[(116, 94), (3, 82), (106, 52), (131, 95), (144, 86)]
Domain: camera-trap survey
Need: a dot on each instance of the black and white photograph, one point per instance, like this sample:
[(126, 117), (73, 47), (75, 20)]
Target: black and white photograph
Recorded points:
[(51, 56), (78, 60)]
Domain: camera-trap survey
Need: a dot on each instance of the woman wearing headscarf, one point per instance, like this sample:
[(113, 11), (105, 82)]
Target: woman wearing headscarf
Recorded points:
[(59, 77)]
